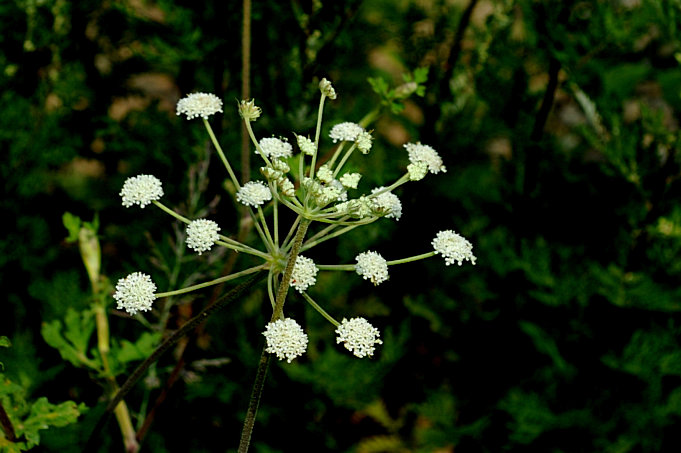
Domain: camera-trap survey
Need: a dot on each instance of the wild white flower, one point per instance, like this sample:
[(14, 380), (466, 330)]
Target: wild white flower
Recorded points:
[(141, 190), (275, 147), (326, 88), (253, 193), (371, 266), (358, 336), (199, 104), (387, 202), (304, 273), (350, 180), (285, 338), (202, 234), (306, 145), (453, 247), (424, 153), (325, 174), (134, 293), (364, 142), (417, 171), (345, 132)]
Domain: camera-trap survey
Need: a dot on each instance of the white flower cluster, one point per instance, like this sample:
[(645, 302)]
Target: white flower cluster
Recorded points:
[(453, 247), (199, 104), (286, 339), (387, 202), (426, 154), (276, 148), (141, 190), (371, 266), (358, 336), (364, 141), (202, 234), (345, 132), (350, 180), (253, 193), (306, 145), (304, 273), (134, 293)]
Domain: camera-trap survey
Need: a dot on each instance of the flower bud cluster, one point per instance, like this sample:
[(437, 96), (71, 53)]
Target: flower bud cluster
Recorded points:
[(277, 175)]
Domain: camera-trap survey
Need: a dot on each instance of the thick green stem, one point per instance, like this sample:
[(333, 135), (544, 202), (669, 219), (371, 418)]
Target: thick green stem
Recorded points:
[(254, 402), (288, 271), (277, 313)]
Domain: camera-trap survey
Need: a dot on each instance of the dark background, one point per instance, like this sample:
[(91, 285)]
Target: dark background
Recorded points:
[(558, 124)]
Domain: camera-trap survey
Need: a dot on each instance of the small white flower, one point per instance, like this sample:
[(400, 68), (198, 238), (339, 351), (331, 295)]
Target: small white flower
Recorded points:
[(424, 153), (304, 273), (134, 293), (417, 171), (345, 132), (141, 190), (199, 104), (358, 336), (253, 193), (453, 247), (306, 145), (371, 266), (387, 202), (364, 142), (325, 174), (202, 234), (276, 148), (350, 180), (285, 338)]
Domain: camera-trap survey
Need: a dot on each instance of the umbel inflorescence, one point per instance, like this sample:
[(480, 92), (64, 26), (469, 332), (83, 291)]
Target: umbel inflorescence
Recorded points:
[(326, 195)]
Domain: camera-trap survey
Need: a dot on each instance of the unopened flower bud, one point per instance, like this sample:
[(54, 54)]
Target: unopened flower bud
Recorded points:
[(327, 89), (249, 111)]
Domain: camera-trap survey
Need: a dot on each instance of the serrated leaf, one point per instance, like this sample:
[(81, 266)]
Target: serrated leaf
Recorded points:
[(79, 328), (139, 350), (379, 86), (12, 447), (421, 75), (44, 415), (72, 344)]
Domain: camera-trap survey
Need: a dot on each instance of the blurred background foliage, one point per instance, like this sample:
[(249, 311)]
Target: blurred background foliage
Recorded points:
[(558, 123)]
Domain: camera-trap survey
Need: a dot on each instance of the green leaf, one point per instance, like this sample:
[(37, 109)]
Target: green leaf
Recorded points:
[(4, 342), (421, 75), (379, 85), (44, 415), (545, 344), (73, 343), (130, 352), (72, 224)]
